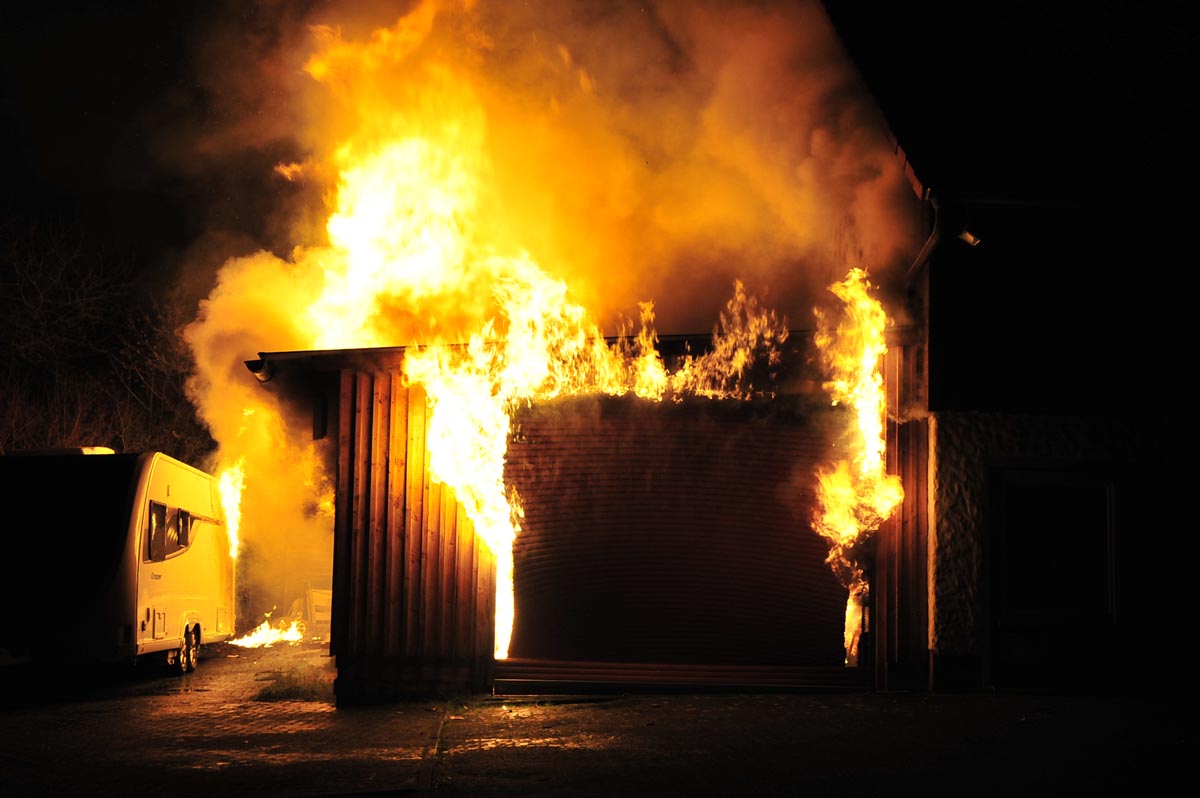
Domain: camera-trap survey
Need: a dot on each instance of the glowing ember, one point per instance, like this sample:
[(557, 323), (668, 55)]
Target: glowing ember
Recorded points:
[(855, 495), (266, 634)]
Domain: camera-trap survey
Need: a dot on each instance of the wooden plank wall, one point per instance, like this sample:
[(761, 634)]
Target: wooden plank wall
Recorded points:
[(899, 583), (413, 586)]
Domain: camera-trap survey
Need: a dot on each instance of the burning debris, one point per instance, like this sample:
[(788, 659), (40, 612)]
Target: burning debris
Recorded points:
[(497, 186)]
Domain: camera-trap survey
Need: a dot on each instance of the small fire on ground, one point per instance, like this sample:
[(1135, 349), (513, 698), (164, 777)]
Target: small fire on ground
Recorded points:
[(268, 634)]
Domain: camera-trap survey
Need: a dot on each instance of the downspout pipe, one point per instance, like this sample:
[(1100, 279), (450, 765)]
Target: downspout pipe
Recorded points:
[(931, 241)]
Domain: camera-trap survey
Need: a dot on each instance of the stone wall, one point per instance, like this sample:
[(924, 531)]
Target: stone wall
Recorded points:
[(963, 446)]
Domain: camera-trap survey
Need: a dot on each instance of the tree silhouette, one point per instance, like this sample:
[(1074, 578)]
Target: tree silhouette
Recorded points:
[(89, 356)]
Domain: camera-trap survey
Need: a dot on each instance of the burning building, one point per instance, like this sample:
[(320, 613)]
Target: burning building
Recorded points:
[(512, 483), (650, 541)]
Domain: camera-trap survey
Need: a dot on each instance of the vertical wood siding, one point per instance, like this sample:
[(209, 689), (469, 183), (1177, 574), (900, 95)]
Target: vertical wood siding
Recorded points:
[(899, 578), (413, 585)]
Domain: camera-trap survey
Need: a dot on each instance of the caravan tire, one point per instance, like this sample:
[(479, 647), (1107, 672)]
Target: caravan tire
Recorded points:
[(193, 649), (186, 655)]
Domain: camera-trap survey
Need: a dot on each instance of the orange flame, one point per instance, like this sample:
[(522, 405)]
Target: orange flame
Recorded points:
[(266, 634), (855, 495), (230, 484)]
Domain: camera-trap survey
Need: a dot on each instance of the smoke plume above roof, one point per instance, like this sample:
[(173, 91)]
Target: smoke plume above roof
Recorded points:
[(639, 151)]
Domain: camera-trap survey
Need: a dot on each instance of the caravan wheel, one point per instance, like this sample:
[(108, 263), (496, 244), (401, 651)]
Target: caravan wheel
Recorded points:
[(188, 653)]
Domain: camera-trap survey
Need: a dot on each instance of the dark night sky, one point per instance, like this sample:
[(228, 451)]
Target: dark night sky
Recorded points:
[(1067, 130), (79, 83), (100, 105), (1085, 103), (1046, 100)]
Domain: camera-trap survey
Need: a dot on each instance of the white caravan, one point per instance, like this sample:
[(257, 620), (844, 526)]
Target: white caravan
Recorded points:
[(111, 557)]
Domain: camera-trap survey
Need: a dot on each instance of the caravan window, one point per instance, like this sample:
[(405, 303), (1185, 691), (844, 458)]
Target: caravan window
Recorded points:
[(156, 532), (169, 531), (179, 527), (172, 530), (185, 528)]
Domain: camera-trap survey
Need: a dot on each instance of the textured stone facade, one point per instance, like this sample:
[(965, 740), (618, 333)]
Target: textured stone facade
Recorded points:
[(963, 446)]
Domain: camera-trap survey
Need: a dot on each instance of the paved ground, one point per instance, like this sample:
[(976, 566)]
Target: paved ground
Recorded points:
[(150, 733), (210, 734)]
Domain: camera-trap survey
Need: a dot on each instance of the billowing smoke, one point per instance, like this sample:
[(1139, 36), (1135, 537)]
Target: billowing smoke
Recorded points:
[(642, 151), (286, 525), (638, 151)]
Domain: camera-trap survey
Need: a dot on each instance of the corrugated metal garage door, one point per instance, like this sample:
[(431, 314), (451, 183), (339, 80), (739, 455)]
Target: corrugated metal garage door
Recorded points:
[(672, 533)]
